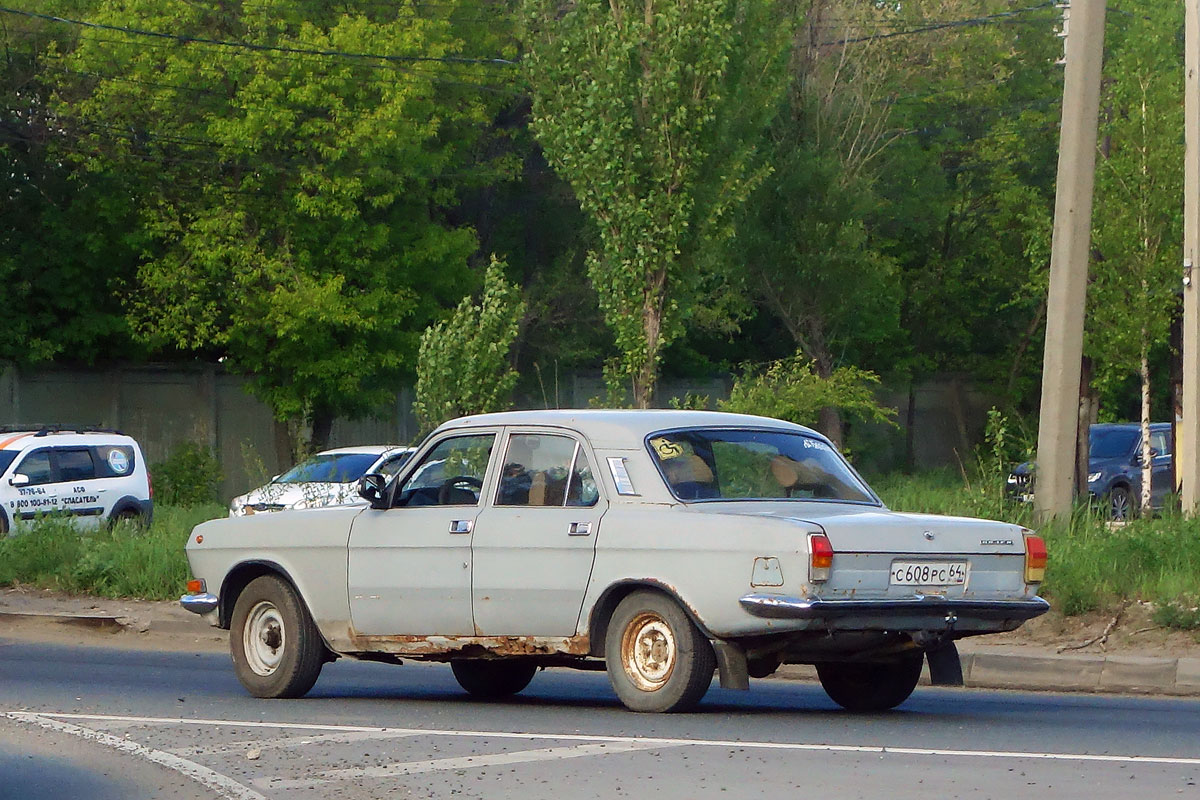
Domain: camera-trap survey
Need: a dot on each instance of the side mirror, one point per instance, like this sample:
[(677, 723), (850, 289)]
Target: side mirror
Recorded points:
[(372, 488), (18, 480)]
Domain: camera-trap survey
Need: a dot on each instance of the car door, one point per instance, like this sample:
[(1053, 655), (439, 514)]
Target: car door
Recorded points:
[(535, 541), (81, 494), (33, 485), (1162, 471), (410, 565)]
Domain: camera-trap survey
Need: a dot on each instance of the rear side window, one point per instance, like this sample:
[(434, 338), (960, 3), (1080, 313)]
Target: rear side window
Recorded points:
[(75, 465), (113, 460)]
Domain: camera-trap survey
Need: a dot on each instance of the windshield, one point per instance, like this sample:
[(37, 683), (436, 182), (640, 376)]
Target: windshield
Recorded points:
[(329, 468), (759, 465), (1111, 443)]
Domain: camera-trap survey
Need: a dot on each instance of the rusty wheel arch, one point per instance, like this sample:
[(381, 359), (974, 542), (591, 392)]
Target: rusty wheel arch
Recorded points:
[(603, 610), (239, 578)]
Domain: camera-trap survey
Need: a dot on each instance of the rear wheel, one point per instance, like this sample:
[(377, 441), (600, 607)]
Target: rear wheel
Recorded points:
[(489, 680), (657, 659), (873, 686), (277, 649)]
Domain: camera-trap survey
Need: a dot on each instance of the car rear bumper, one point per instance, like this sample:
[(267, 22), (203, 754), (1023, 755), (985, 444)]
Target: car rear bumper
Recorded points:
[(917, 611)]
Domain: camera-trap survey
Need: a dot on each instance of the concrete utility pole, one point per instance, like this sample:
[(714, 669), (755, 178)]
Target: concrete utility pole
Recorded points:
[(1188, 434), (1069, 261)]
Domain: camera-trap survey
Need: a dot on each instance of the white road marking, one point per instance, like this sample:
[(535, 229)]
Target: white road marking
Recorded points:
[(224, 786), (461, 762), (285, 742), (657, 741)]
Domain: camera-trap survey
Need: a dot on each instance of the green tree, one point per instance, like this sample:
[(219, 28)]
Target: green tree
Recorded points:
[(464, 365), (652, 113), (294, 189), (1132, 294), (65, 261)]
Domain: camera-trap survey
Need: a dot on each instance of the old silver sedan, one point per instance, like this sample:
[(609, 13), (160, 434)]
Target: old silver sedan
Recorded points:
[(662, 546)]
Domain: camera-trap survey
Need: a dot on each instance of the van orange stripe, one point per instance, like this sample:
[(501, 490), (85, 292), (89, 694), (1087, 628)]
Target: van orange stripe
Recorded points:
[(12, 439)]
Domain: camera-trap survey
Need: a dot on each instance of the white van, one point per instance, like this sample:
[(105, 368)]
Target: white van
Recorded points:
[(91, 475)]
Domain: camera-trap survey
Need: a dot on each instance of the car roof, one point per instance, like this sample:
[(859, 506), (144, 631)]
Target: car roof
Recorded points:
[(1131, 426), (618, 428), (365, 449), (21, 440)]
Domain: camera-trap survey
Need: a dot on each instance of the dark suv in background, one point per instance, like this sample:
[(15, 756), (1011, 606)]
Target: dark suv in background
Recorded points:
[(1115, 467)]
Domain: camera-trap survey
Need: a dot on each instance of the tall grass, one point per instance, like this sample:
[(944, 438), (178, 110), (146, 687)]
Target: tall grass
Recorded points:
[(124, 561), (1094, 565)]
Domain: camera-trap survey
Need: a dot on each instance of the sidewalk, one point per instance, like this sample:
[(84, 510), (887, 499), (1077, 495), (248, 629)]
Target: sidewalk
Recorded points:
[(1026, 659)]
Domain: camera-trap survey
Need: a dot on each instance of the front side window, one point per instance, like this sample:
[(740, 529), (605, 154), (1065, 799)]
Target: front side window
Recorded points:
[(545, 470), (451, 474), (75, 465), (707, 464), (1161, 442), (36, 466), (329, 468)]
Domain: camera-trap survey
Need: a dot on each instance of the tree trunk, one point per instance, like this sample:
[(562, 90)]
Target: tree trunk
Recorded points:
[(1147, 453), (322, 426), (1083, 425), (829, 422), (910, 421), (284, 454)]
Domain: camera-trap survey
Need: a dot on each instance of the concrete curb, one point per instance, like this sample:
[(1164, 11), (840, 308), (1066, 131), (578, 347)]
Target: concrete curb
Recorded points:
[(1063, 673), (102, 622)]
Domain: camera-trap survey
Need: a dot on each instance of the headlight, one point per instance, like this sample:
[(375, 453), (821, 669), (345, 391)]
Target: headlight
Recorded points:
[(1094, 476)]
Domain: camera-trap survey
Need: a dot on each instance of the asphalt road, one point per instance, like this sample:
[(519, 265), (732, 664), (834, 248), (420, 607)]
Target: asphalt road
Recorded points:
[(98, 723)]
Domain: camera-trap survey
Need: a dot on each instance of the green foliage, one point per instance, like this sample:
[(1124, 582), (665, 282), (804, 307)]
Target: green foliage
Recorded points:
[(124, 561), (1182, 613), (1132, 294), (791, 389), (463, 366), (292, 208), (190, 476), (650, 112)]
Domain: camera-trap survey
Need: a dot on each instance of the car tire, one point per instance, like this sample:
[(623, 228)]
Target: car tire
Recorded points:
[(492, 679), (874, 686), (657, 659), (277, 649), (1117, 507)]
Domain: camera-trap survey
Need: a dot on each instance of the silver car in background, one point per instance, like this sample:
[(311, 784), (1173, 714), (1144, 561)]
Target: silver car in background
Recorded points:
[(327, 478)]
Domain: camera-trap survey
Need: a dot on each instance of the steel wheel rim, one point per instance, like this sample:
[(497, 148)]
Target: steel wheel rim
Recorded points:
[(648, 652), (264, 638)]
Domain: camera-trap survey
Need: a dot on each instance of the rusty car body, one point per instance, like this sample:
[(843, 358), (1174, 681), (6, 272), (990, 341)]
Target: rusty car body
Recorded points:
[(662, 546)]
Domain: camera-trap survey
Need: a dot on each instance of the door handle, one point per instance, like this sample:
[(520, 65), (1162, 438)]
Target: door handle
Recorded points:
[(460, 526), (579, 529)]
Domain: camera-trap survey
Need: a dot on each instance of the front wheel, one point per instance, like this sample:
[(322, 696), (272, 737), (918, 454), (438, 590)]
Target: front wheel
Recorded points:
[(277, 649), (489, 680), (875, 686), (1118, 504), (656, 657)]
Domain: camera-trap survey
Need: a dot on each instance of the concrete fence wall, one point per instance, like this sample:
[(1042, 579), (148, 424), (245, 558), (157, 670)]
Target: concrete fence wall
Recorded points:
[(165, 406)]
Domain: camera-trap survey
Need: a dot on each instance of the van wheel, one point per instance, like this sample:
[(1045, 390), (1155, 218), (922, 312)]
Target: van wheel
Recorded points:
[(489, 680), (1118, 504), (875, 686), (657, 659), (277, 649)]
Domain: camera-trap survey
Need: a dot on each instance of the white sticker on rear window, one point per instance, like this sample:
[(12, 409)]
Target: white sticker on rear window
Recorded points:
[(118, 461), (620, 475)]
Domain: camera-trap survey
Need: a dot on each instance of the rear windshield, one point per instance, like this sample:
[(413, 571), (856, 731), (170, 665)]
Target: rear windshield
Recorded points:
[(332, 468), (1111, 443), (754, 465)]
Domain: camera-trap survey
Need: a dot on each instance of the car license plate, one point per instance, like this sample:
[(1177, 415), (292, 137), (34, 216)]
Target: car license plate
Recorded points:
[(929, 573)]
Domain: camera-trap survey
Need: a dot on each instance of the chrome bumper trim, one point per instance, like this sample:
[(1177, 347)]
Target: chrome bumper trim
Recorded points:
[(773, 606), (200, 603)]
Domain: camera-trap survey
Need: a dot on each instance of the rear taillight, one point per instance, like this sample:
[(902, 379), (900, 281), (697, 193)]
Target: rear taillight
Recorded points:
[(149, 485), (820, 557), (1035, 559)]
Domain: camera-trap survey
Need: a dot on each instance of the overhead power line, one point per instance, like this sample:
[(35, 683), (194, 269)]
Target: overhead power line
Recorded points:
[(258, 47), (937, 26)]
